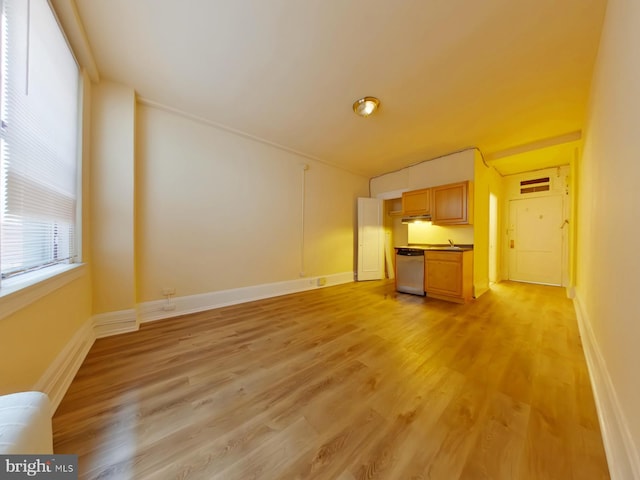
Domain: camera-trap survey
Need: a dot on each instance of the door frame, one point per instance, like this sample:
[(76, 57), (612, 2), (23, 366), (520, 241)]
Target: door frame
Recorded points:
[(563, 240), (559, 185), (370, 239)]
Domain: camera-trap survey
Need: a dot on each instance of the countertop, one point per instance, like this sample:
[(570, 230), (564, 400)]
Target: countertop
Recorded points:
[(440, 247)]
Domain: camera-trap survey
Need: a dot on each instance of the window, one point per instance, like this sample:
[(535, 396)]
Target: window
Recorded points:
[(38, 140)]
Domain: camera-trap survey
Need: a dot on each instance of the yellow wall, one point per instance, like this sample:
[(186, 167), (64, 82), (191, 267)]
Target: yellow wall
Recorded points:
[(487, 181), (608, 266), (112, 197), (480, 228), (496, 188), (574, 186), (33, 337), (427, 233)]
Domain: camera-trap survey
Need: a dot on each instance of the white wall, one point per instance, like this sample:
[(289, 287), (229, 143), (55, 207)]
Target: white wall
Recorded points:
[(331, 219), (452, 168), (608, 263), (218, 211)]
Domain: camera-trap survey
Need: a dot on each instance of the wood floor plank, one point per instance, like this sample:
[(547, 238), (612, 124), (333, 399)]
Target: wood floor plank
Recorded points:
[(349, 382), (457, 431), (339, 444), (499, 447), (404, 450)]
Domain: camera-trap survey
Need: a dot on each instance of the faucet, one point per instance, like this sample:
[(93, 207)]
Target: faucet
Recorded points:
[(451, 243)]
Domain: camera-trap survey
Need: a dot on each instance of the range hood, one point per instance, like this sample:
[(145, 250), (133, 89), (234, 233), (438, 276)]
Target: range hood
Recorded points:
[(416, 219)]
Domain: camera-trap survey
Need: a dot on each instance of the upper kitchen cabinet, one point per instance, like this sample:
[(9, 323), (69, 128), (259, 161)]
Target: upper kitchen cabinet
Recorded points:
[(453, 204), (416, 202)]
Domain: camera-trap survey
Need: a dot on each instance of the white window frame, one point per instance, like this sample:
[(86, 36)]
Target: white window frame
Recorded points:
[(19, 291)]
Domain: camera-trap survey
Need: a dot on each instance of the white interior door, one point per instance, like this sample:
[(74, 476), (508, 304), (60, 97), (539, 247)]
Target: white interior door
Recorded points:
[(535, 240), (370, 239)]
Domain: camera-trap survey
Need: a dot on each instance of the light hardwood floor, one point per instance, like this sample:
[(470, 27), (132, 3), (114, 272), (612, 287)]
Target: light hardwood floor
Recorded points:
[(347, 382)]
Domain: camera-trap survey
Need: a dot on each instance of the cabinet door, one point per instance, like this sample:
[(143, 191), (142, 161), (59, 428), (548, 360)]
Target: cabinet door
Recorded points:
[(416, 202), (443, 273), (452, 204)]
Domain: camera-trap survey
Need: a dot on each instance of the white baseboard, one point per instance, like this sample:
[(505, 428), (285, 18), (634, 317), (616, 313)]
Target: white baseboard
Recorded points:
[(56, 379), (113, 323), (160, 309), (622, 454)]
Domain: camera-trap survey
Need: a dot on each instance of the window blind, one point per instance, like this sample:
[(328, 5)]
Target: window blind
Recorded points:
[(38, 135)]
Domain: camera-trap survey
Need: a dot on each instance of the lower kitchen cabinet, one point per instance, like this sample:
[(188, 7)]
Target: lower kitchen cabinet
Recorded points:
[(448, 275)]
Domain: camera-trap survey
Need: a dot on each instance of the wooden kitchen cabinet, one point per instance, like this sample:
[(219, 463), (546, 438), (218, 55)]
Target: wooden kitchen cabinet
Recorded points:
[(416, 202), (448, 275), (452, 204)]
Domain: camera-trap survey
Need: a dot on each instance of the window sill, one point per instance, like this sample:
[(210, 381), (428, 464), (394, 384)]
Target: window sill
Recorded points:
[(17, 293)]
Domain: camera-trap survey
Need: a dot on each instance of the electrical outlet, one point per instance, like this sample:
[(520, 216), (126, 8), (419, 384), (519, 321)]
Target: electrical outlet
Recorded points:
[(168, 291), (322, 281)]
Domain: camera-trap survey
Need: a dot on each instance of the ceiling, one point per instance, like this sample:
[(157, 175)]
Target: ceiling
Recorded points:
[(450, 74)]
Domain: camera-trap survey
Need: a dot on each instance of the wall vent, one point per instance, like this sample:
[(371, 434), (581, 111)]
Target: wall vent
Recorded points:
[(535, 185)]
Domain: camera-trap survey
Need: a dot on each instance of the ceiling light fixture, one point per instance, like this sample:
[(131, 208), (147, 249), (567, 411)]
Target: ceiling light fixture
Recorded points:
[(366, 106)]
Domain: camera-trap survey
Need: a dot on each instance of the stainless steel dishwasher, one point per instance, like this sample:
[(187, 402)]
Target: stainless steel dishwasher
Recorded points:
[(410, 270)]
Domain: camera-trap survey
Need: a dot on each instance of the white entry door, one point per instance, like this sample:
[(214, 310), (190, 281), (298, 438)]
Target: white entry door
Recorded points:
[(535, 240), (370, 239)]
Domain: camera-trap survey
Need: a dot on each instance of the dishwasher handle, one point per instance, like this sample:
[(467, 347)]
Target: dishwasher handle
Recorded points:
[(410, 252)]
